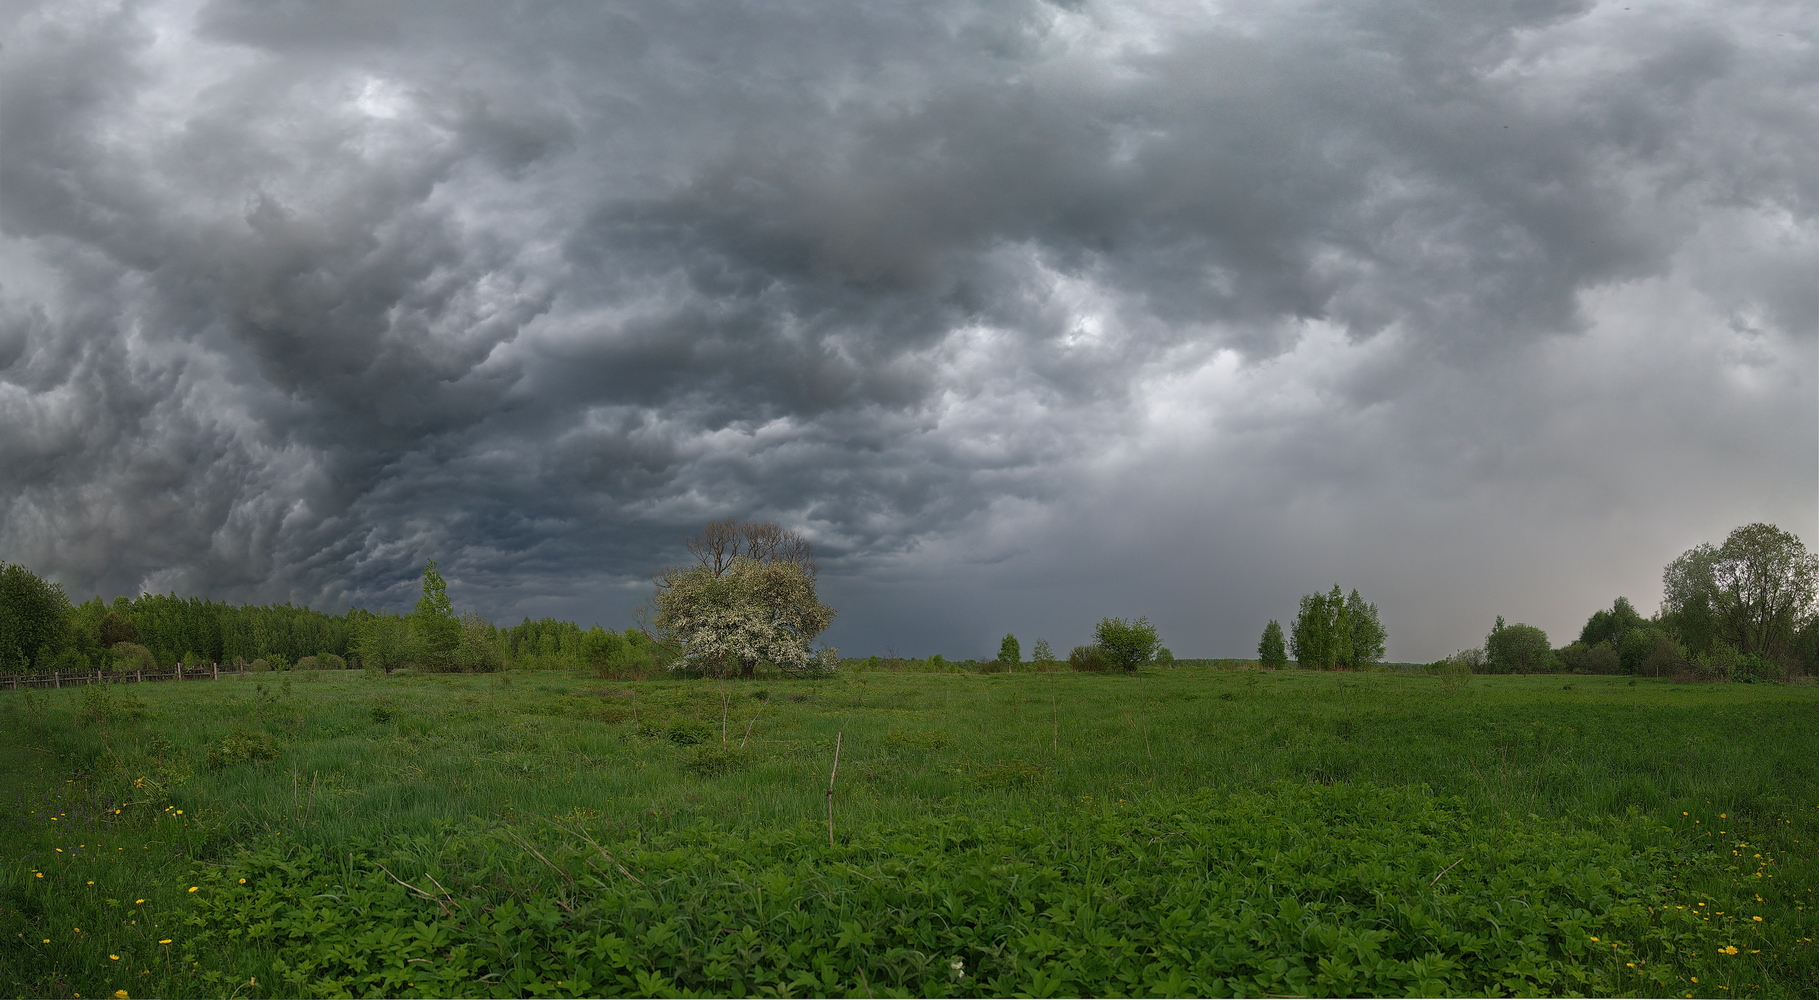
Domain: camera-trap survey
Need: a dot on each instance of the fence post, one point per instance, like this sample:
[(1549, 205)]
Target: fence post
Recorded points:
[(216, 667), (56, 679), (139, 675)]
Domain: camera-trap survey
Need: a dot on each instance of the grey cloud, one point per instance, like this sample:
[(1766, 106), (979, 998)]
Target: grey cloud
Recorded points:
[(293, 298)]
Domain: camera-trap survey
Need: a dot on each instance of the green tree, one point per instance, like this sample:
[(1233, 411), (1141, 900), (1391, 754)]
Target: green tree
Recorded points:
[(482, 647), (1270, 649), (383, 642), (1127, 644), (1610, 627), (1311, 640), (1516, 649), (1009, 652), (1365, 635), (34, 617), (741, 614), (1042, 654), (435, 630)]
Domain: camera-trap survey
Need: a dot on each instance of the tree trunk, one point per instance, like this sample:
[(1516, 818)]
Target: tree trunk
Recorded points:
[(748, 669)]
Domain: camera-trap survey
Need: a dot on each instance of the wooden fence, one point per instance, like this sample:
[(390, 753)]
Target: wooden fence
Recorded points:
[(65, 678)]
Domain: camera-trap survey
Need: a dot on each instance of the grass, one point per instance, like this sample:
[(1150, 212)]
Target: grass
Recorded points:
[(507, 793)]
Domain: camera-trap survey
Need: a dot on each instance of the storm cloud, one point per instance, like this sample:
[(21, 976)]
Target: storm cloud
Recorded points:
[(1025, 313)]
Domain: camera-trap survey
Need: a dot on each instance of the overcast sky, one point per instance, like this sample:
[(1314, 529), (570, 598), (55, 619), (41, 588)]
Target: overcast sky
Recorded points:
[(1025, 313)]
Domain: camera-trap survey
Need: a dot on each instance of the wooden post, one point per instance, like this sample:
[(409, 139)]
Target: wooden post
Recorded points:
[(216, 667), (56, 679), (139, 675)]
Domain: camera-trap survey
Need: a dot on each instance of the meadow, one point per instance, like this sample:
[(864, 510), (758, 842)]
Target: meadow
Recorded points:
[(1188, 831)]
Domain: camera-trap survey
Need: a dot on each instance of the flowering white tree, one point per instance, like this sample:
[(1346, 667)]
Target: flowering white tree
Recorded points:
[(741, 613)]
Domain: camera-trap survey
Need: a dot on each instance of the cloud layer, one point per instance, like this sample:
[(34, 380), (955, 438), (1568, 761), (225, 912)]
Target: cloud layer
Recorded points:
[(1026, 313)]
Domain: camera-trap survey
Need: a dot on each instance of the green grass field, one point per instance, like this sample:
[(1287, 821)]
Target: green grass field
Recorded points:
[(1186, 832)]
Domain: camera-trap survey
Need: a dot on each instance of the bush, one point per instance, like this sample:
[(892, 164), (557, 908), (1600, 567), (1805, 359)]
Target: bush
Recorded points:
[(689, 733), (130, 656), (242, 748), (1090, 658), (637, 656), (1598, 658), (329, 661), (708, 759), (1127, 644), (100, 705), (307, 663), (1651, 652), (1455, 670)]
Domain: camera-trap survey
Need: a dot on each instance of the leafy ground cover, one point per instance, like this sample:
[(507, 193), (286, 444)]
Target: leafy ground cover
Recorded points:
[(1183, 832)]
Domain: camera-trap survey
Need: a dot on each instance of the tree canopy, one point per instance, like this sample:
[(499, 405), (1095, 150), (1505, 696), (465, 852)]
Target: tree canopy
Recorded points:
[(1333, 630), (749, 599), (1270, 650), (1127, 644)]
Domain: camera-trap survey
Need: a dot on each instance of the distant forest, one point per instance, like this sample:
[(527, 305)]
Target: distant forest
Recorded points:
[(41, 631)]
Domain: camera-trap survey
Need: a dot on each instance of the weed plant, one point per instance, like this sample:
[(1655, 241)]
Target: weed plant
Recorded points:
[(1190, 831)]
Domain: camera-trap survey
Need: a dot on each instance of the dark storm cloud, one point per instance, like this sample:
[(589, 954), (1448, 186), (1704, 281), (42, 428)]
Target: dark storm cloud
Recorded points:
[(293, 297)]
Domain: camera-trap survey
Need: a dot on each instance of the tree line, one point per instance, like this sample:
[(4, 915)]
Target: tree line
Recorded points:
[(42, 631), (1744, 610)]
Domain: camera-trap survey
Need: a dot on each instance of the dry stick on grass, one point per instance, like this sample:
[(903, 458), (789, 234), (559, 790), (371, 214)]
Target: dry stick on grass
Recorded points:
[(725, 707), (553, 866), (603, 851), (1443, 871), (420, 892), (830, 786), (1054, 717)]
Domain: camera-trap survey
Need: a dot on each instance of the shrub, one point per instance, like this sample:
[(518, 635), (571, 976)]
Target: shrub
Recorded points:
[(1456, 670), (690, 733), (1127, 644), (101, 705), (130, 656), (307, 663), (637, 656), (241, 748), (330, 661), (1089, 658), (1598, 658), (708, 759)]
